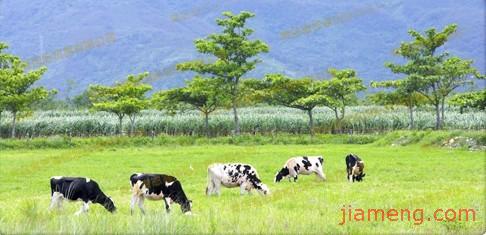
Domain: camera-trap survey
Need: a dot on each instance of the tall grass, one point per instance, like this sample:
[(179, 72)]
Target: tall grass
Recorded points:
[(254, 120)]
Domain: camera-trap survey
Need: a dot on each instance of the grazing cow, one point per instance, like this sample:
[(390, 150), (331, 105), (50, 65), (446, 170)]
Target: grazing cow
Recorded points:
[(78, 188), (301, 165), (354, 168), (158, 187), (234, 175)]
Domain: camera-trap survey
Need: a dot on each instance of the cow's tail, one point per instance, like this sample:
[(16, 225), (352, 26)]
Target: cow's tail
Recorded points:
[(53, 185), (132, 179)]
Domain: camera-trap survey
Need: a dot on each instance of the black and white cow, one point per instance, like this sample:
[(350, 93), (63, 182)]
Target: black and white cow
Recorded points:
[(78, 188), (158, 187), (301, 166), (234, 175), (354, 168)]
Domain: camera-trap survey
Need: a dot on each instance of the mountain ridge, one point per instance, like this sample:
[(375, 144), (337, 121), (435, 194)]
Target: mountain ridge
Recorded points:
[(154, 36)]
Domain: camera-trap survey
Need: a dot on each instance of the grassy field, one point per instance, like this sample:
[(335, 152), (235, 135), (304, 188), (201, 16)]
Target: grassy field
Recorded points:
[(408, 177)]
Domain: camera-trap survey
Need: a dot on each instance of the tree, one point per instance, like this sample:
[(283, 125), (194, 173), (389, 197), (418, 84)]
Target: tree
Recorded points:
[(474, 99), (122, 99), (203, 94), (277, 89), (405, 93), (5, 63), (234, 53), (340, 91), (16, 93), (435, 75), (456, 72)]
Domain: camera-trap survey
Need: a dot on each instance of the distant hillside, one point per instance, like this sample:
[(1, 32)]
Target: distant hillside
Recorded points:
[(85, 42)]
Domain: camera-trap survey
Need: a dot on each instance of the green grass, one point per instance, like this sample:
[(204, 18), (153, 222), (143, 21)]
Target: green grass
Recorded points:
[(397, 177), (401, 138)]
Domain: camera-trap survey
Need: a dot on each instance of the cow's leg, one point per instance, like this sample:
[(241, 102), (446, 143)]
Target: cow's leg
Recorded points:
[(217, 187), (132, 203), (210, 187), (167, 204), (140, 201), (351, 177), (294, 175), (59, 201), (350, 174), (56, 201), (84, 208)]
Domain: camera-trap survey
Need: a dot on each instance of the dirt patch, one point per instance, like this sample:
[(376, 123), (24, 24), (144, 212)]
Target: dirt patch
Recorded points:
[(463, 142)]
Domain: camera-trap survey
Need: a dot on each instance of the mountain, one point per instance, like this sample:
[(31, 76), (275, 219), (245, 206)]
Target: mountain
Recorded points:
[(87, 42)]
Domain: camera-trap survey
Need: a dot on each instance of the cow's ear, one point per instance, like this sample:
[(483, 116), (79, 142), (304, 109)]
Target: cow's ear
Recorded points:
[(190, 201), (363, 175)]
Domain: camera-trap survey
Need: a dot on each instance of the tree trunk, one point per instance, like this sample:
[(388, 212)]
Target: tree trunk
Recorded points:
[(14, 120), (336, 124), (343, 110), (437, 116), (132, 124), (120, 123), (234, 93), (311, 123), (237, 120), (206, 124), (442, 118), (410, 110)]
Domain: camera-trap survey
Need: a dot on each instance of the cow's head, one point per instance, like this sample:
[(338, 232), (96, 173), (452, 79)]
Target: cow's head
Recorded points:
[(262, 188), (281, 174), (359, 177), (109, 205), (186, 207)]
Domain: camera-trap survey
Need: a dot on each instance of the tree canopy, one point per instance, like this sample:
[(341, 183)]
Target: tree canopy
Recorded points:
[(16, 91), (123, 99), (474, 99), (277, 89), (433, 75), (203, 94), (234, 55), (340, 91)]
